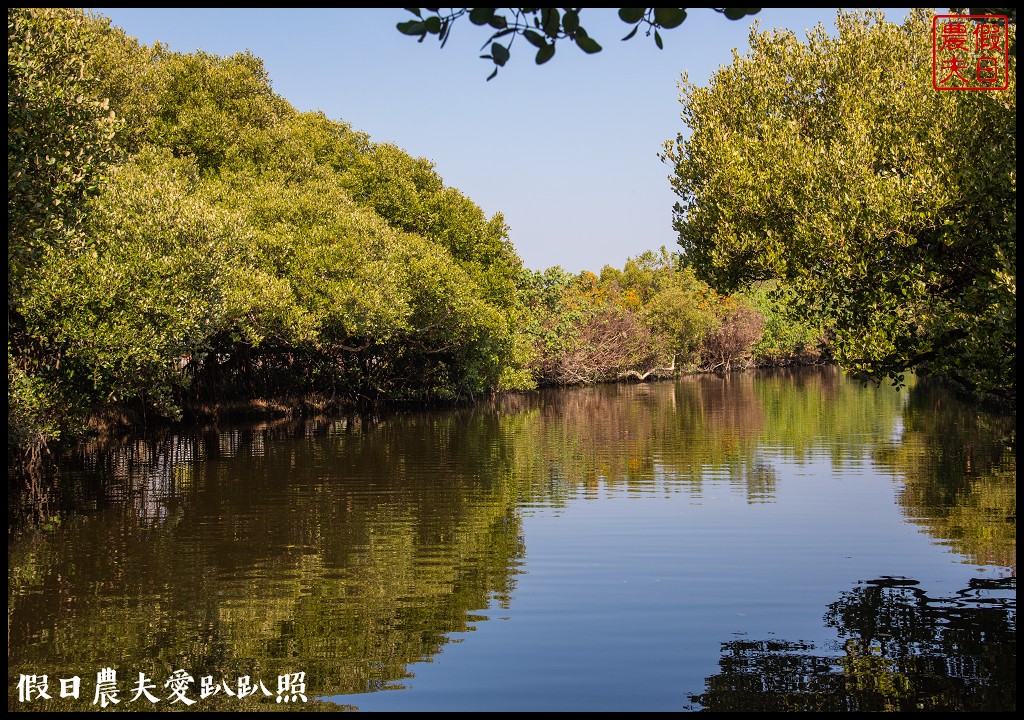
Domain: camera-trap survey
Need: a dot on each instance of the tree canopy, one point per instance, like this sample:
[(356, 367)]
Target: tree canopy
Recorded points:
[(543, 27), (181, 237), (179, 232), (889, 208)]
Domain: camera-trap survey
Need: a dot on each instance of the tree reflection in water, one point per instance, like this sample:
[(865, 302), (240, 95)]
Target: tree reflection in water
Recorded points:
[(355, 548), (900, 650)]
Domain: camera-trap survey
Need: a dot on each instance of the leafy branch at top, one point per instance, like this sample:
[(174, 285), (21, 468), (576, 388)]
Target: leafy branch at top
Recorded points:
[(543, 27)]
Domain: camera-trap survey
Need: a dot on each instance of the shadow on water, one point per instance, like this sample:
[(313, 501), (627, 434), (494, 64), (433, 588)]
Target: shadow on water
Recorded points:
[(351, 548), (332, 549), (958, 468), (899, 650)]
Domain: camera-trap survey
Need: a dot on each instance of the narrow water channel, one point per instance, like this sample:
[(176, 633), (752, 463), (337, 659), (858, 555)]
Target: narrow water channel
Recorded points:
[(770, 541)]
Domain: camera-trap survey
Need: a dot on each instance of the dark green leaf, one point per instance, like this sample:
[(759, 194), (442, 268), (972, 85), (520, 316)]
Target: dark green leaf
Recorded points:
[(552, 22), (571, 21), (588, 45), (480, 16), (657, 40), (433, 24), (545, 54), (735, 13), (669, 17), (491, 76), (534, 38), (412, 27), (500, 53), (631, 33), (498, 22), (631, 15)]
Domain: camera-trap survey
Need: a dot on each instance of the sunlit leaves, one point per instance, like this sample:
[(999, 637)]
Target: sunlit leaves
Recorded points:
[(60, 140), (246, 249), (862, 195), (59, 134), (650, 319)]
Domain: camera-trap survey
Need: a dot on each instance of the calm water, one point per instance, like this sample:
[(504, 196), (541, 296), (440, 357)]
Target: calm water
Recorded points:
[(770, 541)]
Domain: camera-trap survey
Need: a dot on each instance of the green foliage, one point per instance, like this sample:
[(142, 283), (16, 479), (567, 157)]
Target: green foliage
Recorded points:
[(238, 250), (860, 188), (684, 319), (59, 140), (36, 413), (59, 136), (543, 27), (154, 288), (412, 197), (213, 109), (652, 318), (786, 338)]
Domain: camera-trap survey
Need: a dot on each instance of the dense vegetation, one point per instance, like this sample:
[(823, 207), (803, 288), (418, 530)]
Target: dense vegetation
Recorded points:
[(181, 239), (180, 235), (889, 209), (654, 318)]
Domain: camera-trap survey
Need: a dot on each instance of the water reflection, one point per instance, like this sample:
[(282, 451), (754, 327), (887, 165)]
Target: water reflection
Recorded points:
[(899, 650), (700, 429), (957, 464), (353, 548), (330, 549)]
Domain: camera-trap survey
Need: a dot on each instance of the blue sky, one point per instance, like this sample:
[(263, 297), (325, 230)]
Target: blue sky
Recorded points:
[(568, 151)]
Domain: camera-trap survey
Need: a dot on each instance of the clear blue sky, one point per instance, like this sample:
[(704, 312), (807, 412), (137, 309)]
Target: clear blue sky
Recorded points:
[(568, 151)]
